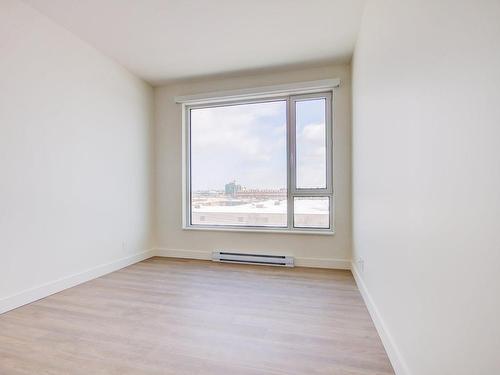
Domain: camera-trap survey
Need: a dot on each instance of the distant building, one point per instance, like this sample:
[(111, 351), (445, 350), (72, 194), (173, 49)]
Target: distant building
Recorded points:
[(262, 194), (308, 214), (232, 188)]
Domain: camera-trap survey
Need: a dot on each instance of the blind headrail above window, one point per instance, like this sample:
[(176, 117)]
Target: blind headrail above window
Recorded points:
[(260, 92)]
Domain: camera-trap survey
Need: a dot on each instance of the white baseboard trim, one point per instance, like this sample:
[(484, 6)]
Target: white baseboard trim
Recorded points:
[(397, 361), (342, 264), (184, 254), (336, 264), (45, 290)]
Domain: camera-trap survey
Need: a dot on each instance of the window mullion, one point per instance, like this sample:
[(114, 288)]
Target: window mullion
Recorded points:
[(290, 134), (293, 146)]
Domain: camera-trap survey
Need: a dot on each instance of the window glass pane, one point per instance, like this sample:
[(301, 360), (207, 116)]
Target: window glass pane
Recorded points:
[(239, 165), (311, 212), (310, 127)]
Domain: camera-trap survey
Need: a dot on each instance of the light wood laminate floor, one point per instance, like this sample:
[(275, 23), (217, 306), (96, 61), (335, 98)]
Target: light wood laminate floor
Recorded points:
[(172, 316)]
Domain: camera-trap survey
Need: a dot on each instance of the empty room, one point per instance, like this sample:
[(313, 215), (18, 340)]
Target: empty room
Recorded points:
[(249, 187)]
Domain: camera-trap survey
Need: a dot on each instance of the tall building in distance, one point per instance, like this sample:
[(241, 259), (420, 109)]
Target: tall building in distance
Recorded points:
[(232, 188)]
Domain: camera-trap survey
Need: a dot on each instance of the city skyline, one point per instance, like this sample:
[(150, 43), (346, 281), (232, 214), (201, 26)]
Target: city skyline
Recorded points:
[(243, 188)]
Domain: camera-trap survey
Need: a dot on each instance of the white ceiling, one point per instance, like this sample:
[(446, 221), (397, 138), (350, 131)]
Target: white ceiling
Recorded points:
[(164, 40)]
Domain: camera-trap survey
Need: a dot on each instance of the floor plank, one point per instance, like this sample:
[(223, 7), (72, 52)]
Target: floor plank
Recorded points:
[(173, 316)]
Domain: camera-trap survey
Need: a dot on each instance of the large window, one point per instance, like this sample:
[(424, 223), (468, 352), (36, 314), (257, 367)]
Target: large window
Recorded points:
[(260, 164)]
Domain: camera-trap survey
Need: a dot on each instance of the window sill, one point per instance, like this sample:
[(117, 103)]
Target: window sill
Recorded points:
[(321, 232)]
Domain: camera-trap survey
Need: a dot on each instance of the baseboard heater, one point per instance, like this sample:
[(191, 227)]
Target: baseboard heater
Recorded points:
[(263, 259)]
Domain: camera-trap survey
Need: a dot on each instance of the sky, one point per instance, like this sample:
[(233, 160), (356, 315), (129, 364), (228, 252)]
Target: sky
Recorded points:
[(311, 144), (247, 144)]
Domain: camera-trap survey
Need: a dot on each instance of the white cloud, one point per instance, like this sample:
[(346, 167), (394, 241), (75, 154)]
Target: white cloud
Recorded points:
[(311, 155), (238, 130), (314, 133)]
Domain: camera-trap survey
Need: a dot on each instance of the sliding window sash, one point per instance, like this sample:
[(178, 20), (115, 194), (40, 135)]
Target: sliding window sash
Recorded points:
[(292, 141), (293, 190)]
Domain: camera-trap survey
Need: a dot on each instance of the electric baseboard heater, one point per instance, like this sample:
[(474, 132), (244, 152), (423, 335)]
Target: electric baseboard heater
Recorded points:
[(262, 259)]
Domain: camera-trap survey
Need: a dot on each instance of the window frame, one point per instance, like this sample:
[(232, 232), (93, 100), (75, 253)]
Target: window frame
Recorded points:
[(292, 190)]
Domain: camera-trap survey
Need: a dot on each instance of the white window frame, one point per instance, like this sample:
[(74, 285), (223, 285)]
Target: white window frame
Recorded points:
[(291, 94)]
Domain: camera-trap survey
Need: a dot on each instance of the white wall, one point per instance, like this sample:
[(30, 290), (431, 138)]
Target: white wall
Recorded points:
[(310, 249), (426, 180), (75, 155)]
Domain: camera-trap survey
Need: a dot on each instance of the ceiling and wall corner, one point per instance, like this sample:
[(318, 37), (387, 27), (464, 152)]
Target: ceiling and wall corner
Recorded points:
[(165, 40)]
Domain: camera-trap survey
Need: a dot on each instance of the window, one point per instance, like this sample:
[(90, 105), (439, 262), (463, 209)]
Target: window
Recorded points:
[(260, 164)]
